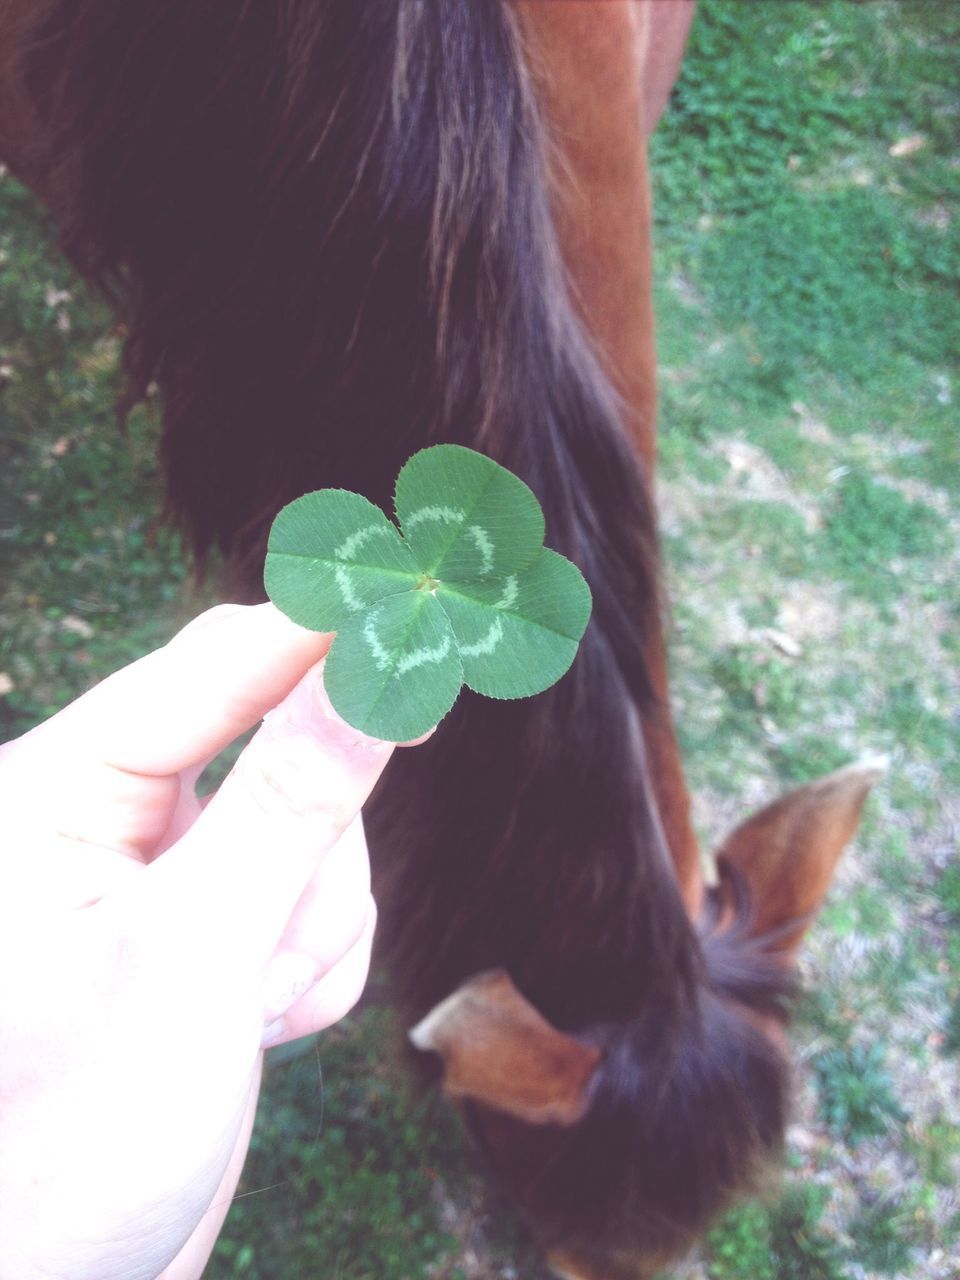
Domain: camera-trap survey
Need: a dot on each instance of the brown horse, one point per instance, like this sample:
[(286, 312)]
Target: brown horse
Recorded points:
[(337, 230)]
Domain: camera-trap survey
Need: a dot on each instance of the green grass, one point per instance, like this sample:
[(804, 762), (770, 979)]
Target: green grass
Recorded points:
[(321, 1148), (856, 1091), (808, 244), (93, 576), (740, 1246), (769, 533), (809, 331), (951, 1040), (937, 1152), (810, 274), (886, 1233), (757, 680), (786, 1241), (948, 891), (872, 534), (865, 912)]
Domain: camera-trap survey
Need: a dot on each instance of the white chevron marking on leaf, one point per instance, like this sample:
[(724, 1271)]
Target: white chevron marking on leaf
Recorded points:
[(510, 592), (381, 656), (484, 546), (420, 657), (350, 597), (449, 515), (487, 645), (348, 549)]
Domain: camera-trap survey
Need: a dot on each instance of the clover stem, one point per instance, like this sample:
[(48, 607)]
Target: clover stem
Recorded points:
[(426, 583)]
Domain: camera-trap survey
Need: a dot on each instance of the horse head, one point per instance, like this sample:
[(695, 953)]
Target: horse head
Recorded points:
[(633, 1139)]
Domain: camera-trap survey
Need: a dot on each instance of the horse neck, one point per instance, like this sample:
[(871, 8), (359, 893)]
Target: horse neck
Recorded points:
[(602, 74)]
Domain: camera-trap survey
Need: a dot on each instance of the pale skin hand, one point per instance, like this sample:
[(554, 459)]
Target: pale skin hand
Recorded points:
[(150, 946)]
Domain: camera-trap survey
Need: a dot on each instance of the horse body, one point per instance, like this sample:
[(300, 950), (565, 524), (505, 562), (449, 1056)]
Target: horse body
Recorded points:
[(336, 233)]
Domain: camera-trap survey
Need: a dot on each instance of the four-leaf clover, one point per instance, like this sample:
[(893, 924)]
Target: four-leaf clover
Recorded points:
[(463, 592)]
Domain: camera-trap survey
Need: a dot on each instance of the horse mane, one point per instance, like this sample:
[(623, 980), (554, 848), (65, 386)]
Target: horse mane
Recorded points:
[(327, 229)]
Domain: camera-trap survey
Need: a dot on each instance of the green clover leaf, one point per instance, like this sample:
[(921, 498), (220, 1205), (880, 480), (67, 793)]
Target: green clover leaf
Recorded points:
[(463, 592)]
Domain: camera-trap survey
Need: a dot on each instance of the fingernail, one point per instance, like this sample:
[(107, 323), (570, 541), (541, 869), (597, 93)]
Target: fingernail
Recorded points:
[(416, 742), (272, 1033), (308, 706)]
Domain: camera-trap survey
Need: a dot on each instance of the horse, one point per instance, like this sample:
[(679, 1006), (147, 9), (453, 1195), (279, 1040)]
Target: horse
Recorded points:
[(335, 233)]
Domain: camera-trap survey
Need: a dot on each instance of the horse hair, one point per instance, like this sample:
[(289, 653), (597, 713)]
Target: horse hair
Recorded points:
[(326, 226)]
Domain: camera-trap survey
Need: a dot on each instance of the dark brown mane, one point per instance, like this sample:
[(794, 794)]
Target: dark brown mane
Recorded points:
[(326, 226)]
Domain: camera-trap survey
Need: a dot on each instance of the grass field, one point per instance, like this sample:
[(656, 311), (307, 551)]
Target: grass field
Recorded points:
[(808, 254)]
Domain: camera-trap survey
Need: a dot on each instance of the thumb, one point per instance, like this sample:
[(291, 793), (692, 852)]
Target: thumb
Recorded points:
[(236, 876)]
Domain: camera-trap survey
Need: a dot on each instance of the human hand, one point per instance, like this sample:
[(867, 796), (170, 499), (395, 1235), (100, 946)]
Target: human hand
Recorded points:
[(150, 945)]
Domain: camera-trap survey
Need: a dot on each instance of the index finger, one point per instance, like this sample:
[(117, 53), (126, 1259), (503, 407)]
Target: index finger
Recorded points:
[(181, 705)]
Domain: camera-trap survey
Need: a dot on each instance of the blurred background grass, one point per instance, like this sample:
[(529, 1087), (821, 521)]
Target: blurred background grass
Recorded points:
[(807, 177)]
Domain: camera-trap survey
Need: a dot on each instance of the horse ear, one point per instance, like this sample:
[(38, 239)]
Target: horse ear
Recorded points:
[(788, 852), (497, 1049)]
